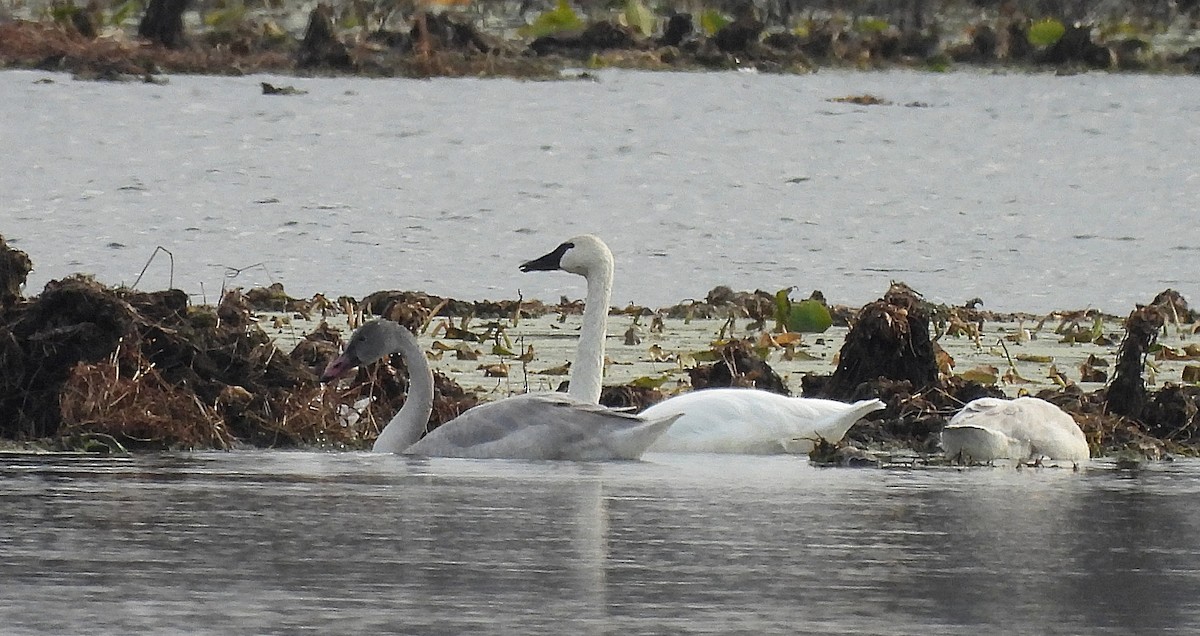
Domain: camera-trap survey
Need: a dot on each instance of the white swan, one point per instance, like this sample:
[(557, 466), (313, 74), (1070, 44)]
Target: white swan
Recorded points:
[(988, 429), (530, 426), (587, 256), (752, 422), (717, 420)]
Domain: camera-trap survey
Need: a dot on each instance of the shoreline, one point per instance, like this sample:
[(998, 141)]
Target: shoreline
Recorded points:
[(561, 43)]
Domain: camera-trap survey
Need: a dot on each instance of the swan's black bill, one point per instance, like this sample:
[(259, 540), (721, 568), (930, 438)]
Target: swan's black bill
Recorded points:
[(549, 262)]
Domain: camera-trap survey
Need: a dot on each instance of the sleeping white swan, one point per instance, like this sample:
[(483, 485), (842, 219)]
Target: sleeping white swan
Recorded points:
[(988, 429), (752, 422), (530, 426)]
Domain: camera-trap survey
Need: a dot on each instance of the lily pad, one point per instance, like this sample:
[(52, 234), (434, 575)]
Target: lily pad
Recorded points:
[(561, 18), (1046, 32), (984, 374), (639, 17), (712, 21), (650, 382), (806, 316)]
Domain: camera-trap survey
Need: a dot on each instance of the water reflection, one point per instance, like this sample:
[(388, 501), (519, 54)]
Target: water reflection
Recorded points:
[(343, 543)]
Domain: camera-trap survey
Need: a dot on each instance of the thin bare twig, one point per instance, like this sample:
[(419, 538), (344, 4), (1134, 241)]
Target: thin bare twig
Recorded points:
[(157, 249)]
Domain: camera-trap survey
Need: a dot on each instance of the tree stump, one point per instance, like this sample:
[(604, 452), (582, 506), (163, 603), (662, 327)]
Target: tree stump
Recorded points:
[(1127, 393), (679, 27), (163, 22), (321, 46), (890, 339), (14, 268), (738, 366)]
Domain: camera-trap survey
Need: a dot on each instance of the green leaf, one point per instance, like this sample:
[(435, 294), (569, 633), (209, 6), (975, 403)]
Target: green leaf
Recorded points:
[(806, 316), (1097, 329), (799, 355), (559, 19), (226, 19), (63, 12), (712, 21), (650, 382), (639, 17), (710, 355), (1045, 32), (871, 25), (783, 307), (809, 316), (939, 63), (124, 11)]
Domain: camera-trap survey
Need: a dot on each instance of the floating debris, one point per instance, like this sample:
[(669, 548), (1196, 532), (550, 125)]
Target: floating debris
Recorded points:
[(271, 89), (862, 100)]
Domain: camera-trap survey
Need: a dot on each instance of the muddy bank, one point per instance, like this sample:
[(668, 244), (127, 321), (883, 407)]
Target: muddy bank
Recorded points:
[(91, 367), (95, 42)]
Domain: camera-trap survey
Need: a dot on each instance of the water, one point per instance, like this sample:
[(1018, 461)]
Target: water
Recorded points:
[(1034, 192), (321, 543)]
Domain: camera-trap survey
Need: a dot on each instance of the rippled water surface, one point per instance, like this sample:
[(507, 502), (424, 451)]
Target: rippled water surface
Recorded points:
[(291, 543), (1034, 192)]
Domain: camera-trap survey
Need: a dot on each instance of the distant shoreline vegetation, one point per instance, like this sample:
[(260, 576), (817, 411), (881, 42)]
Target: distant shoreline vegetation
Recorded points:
[(139, 39)]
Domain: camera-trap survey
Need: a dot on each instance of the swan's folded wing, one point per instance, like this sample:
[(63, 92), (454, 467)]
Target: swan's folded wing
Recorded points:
[(539, 426)]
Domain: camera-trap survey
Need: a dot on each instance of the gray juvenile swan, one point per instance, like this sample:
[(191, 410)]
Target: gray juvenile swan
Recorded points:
[(530, 426)]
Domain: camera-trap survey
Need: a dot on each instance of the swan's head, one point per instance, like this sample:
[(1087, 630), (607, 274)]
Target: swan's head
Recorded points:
[(583, 255), (369, 343)]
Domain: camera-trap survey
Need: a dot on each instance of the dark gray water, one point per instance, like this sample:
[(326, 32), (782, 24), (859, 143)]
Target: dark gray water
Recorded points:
[(290, 543)]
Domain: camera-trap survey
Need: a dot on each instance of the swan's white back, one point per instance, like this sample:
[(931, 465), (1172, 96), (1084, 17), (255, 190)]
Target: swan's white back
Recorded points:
[(752, 422), (988, 429)]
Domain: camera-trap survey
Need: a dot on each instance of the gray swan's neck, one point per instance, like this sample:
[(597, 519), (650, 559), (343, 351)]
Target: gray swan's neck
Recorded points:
[(587, 373), (409, 424)]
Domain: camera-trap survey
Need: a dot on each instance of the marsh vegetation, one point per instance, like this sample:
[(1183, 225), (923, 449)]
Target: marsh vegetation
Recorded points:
[(132, 39)]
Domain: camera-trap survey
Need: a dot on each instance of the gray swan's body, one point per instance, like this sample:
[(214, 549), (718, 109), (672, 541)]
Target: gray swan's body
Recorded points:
[(531, 426), (988, 429)]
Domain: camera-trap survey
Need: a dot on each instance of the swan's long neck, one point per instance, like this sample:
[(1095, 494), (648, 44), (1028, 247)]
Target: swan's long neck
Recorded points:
[(587, 374), (409, 424)]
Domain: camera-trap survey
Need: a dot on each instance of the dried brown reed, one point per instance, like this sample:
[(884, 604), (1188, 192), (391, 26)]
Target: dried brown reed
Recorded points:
[(313, 416), (49, 45), (127, 398)]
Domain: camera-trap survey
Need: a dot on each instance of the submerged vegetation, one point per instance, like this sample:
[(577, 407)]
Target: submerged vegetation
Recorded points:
[(132, 39), (88, 367)]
